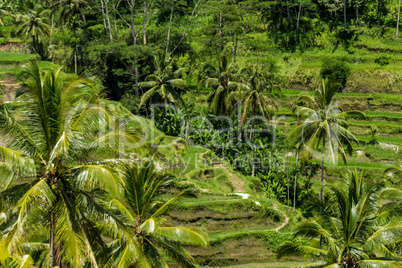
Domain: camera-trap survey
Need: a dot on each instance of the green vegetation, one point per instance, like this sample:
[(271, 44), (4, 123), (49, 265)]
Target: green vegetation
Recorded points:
[(200, 133)]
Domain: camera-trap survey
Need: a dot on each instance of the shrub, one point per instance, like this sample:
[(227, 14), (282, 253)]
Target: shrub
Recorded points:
[(335, 71), (382, 60)]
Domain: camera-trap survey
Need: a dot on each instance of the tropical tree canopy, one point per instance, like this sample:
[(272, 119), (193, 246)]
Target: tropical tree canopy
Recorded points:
[(357, 227), (222, 79), (138, 230), (324, 124), (48, 168), (164, 82), (33, 23), (324, 120)]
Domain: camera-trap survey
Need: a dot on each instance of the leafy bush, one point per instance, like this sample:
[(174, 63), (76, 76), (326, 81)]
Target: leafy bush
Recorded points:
[(131, 102), (336, 71), (383, 59)]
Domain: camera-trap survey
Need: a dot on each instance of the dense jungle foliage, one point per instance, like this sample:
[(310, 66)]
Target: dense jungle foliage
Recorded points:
[(194, 133)]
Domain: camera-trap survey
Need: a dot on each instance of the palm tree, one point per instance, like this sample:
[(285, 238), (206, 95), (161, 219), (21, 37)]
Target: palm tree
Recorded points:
[(164, 83), (356, 228), (397, 20), (69, 8), (3, 13), (221, 79), (254, 102), (33, 24), (138, 230), (324, 124), (53, 156)]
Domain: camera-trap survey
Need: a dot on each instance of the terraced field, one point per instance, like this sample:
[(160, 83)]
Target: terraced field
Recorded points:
[(247, 231)]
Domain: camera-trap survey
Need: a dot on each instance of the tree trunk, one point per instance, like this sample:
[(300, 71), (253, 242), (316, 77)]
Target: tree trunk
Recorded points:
[(108, 21), (379, 11), (288, 11), (397, 21), (344, 12), (145, 23), (357, 14), (298, 17), (295, 186), (287, 181), (115, 24), (235, 48), (170, 24), (51, 30), (134, 44), (103, 15), (220, 30), (322, 170), (34, 43), (51, 241), (75, 60), (252, 129), (132, 23)]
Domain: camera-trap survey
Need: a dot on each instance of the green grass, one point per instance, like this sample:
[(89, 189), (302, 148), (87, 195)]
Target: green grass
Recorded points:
[(389, 140), (13, 69), (12, 57)]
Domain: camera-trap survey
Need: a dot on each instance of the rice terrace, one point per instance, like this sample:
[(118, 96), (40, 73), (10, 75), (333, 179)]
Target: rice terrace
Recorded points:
[(200, 133)]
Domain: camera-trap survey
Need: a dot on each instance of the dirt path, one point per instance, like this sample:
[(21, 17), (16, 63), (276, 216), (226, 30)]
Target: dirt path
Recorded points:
[(237, 182), (275, 207)]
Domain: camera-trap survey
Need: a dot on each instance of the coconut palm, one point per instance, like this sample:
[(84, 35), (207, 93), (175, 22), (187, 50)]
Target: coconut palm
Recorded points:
[(52, 157), (163, 83), (357, 227), (222, 79), (324, 124), (69, 8), (139, 232), (7, 260), (33, 24), (255, 103), (3, 13)]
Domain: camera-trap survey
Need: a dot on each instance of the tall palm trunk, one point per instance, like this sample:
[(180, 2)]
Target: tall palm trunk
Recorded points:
[(287, 180), (51, 241), (253, 164), (298, 17), (145, 23), (170, 25), (322, 170), (75, 60), (397, 21), (295, 186), (134, 44), (220, 30)]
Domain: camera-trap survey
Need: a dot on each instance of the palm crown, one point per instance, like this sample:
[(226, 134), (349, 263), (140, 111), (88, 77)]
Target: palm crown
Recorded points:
[(221, 79), (48, 169), (164, 82), (138, 229), (33, 24), (324, 123), (358, 223)]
